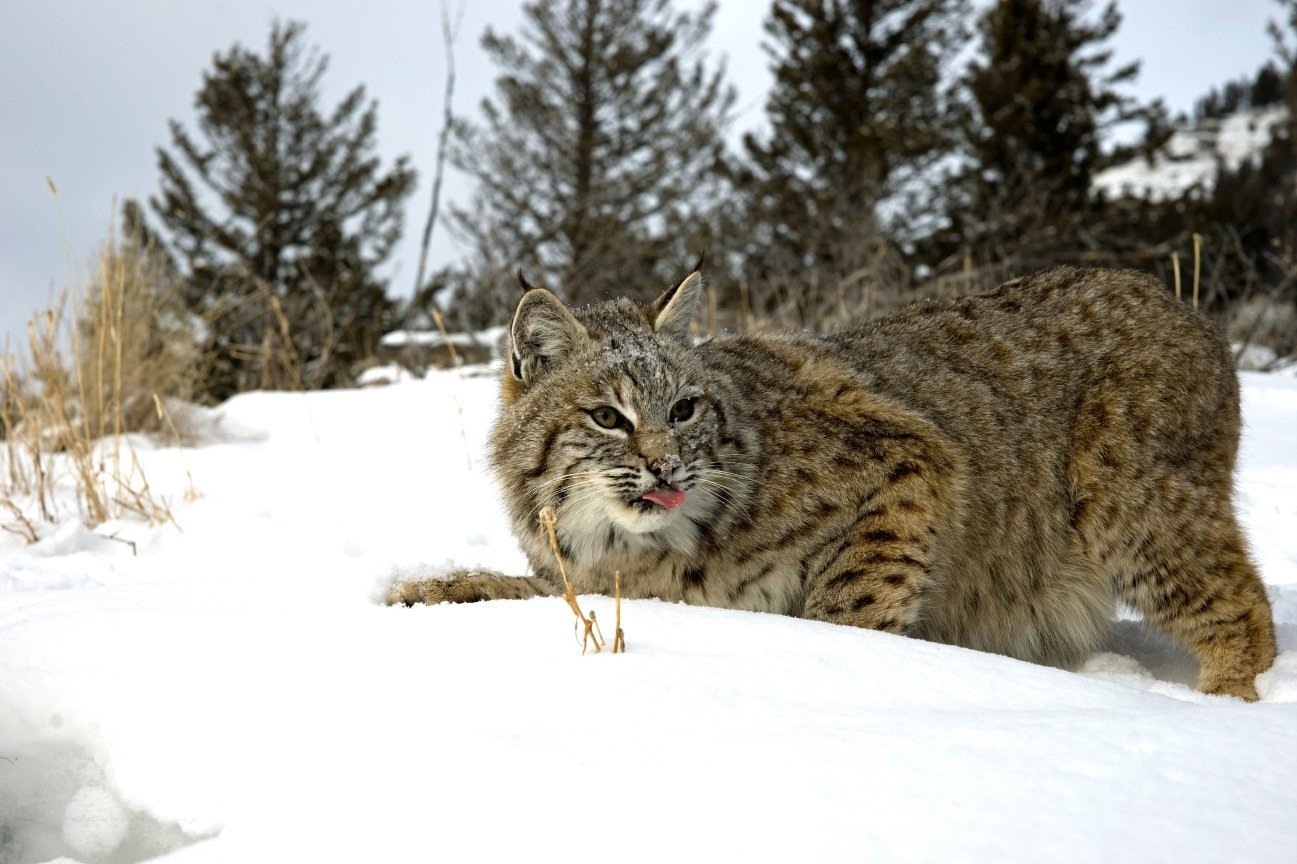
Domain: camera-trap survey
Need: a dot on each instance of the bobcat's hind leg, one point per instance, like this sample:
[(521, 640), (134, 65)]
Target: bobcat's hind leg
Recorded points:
[(1190, 576), (469, 586), (1152, 507)]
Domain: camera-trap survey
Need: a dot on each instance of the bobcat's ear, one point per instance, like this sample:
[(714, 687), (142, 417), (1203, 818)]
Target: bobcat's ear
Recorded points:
[(542, 333), (676, 308)]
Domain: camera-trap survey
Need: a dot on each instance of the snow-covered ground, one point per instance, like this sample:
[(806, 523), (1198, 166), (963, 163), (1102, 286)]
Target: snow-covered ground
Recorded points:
[(234, 692), (1194, 154)]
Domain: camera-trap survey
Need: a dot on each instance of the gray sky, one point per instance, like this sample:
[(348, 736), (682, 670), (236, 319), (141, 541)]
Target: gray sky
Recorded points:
[(86, 90)]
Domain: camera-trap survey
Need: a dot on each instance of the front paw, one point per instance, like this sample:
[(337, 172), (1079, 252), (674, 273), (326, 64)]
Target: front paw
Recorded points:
[(430, 591)]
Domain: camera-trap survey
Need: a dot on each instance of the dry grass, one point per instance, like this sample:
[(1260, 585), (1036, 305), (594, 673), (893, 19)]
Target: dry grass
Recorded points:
[(264, 355), (619, 636), (132, 341), (22, 526), (69, 401), (588, 623)]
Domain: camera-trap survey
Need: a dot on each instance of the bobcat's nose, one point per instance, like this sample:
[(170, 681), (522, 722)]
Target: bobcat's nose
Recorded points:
[(663, 467)]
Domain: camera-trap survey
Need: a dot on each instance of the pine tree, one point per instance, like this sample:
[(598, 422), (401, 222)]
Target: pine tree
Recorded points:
[(596, 157), (1245, 219), (1284, 36), (1255, 204), (1042, 98), (280, 214), (859, 112), (1267, 87)]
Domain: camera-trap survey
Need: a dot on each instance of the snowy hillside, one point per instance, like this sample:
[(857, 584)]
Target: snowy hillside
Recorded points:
[(1193, 154), (234, 692)]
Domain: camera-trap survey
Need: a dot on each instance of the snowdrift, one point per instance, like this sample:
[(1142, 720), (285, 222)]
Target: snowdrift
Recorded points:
[(233, 692)]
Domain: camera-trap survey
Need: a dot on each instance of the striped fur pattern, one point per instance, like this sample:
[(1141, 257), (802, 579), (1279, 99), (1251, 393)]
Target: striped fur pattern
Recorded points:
[(997, 471)]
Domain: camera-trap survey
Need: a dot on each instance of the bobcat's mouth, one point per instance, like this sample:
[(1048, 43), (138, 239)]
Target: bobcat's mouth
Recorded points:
[(668, 497)]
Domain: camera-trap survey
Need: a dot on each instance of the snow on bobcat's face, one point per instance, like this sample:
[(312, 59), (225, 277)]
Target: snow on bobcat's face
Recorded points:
[(608, 418), (643, 434)]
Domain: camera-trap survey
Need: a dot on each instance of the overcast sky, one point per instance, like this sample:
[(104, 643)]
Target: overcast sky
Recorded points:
[(86, 89)]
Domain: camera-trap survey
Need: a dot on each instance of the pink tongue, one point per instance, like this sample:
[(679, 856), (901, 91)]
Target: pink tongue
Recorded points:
[(666, 496)]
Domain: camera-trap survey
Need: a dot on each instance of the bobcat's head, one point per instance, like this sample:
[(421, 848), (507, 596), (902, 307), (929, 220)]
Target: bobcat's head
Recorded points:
[(608, 416)]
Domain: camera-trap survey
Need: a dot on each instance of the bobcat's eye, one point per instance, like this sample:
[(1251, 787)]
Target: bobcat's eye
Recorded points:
[(682, 410), (609, 418)]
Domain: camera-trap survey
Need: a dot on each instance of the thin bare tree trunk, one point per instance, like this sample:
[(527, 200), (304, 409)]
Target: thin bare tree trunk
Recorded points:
[(449, 33)]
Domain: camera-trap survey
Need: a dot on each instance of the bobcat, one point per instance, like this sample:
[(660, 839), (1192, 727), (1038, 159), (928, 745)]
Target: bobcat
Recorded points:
[(996, 471)]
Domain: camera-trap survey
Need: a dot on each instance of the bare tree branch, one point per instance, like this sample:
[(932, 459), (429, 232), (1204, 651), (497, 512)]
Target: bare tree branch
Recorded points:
[(449, 33)]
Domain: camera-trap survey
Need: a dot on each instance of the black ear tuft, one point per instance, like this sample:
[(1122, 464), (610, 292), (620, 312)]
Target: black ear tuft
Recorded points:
[(523, 283)]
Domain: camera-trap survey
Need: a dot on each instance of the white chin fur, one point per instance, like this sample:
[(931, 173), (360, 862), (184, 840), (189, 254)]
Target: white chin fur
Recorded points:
[(638, 521), (584, 525)]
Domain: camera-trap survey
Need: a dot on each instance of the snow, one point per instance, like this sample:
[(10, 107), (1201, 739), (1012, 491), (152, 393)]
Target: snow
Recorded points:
[(1254, 356), (235, 693), (389, 373), (489, 337), (1193, 154), (1245, 134)]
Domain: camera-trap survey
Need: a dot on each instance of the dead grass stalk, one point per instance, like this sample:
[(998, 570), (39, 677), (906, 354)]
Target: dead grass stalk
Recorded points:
[(70, 401), (591, 635)]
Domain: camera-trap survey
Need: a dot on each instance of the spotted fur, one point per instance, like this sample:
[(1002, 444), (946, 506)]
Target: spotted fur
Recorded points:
[(996, 471)]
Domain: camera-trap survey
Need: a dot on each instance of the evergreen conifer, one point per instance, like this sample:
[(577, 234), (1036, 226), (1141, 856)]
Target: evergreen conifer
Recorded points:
[(598, 158), (860, 112), (280, 214)]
